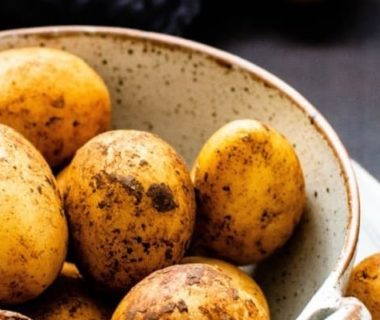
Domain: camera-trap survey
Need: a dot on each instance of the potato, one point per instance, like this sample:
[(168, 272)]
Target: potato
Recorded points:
[(189, 291), (250, 191), (61, 179), (10, 315), (53, 98), (68, 298), (131, 207), (240, 278), (364, 284), (33, 228)]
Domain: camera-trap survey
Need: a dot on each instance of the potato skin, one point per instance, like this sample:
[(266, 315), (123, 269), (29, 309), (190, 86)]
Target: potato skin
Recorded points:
[(67, 299), (364, 284), (240, 279), (250, 192), (188, 291), (131, 207), (33, 228), (53, 98)]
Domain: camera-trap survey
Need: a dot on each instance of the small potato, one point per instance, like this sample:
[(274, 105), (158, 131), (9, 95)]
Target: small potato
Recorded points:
[(240, 278), (364, 284), (61, 180), (68, 298), (190, 291), (10, 315), (53, 98), (33, 228), (250, 192), (131, 207)]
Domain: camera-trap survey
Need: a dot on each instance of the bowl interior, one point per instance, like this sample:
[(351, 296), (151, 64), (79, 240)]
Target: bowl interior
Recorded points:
[(183, 93)]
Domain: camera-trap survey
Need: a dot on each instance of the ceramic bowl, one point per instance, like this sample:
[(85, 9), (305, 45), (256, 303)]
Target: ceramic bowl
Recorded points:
[(184, 91)]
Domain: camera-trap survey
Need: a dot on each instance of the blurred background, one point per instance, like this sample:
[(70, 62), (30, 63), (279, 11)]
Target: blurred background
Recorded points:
[(329, 50)]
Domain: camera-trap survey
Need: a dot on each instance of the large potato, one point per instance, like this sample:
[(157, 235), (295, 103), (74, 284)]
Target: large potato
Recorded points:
[(67, 299), (364, 284), (130, 204), (33, 229), (250, 190), (53, 98), (240, 279), (189, 291)]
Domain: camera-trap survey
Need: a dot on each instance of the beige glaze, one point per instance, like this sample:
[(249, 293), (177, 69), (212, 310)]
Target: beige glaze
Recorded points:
[(184, 91)]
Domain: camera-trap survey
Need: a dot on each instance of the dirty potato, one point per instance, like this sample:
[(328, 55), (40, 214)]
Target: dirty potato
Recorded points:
[(53, 98), (61, 180), (364, 284), (189, 291), (250, 192), (130, 204), (240, 279), (33, 229), (68, 298), (10, 315)]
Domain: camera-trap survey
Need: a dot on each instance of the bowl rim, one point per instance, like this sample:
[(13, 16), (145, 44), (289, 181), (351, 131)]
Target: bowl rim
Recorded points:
[(232, 61)]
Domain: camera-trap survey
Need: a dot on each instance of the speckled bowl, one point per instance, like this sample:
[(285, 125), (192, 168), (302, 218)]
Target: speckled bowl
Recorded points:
[(183, 91)]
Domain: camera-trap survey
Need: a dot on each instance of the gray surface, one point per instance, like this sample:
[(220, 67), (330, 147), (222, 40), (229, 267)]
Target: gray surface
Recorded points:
[(332, 57)]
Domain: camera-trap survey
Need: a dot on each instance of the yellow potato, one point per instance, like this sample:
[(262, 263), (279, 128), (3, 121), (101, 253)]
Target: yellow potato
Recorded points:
[(53, 98), (61, 180), (240, 279), (364, 284), (189, 291), (33, 229), (131, 207), (250, 192), (68, 298), (10, 315)]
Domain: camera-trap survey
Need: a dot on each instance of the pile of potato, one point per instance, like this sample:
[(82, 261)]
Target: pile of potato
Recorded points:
[(127, 207)]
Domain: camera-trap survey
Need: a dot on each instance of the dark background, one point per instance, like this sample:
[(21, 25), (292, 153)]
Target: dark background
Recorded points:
[(328, 51)]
